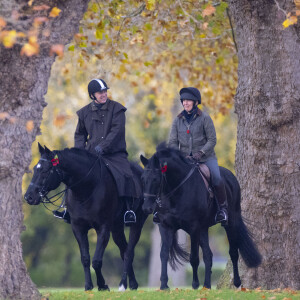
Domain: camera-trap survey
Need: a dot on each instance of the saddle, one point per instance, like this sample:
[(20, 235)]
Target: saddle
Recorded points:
[(205, 173)]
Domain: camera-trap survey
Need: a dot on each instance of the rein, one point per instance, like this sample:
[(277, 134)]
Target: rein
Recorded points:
[(48, 199), (168, 195)]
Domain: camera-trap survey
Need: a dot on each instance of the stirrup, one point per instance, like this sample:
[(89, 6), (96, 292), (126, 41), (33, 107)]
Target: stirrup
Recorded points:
[(129, 217), (221, 217)]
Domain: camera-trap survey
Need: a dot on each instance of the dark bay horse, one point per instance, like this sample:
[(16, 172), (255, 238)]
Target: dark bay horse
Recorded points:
[(92, 202), (175, 188)]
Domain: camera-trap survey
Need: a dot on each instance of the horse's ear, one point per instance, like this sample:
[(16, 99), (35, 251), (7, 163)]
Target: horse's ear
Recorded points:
[(144, 160), (156, 160), (41, 149), (48, 151)]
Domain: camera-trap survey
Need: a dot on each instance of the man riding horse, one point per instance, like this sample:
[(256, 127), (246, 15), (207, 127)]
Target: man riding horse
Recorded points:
[(101, 131), (193, 133)]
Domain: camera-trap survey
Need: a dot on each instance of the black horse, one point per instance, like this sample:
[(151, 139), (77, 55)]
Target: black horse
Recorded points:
[(175, 188), (92, 202)]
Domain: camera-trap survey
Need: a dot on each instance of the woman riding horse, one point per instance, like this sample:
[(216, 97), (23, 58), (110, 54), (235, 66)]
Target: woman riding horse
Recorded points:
[(193, 133), (101, 131)]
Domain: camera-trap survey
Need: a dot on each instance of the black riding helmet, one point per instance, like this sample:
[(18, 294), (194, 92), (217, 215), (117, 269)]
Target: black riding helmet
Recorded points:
[(190, 93), (96, 85)]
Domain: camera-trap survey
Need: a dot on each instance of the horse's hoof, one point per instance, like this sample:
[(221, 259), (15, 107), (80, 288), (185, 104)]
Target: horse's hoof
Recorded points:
[(122, 288), (206, 287), (237, 283), (195, 285), (104, 288), (88, 287), (164, 288), (133, 285)]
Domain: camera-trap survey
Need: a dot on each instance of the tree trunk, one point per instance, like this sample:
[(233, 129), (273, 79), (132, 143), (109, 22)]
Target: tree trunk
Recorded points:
[(23, 84), (267, 155)]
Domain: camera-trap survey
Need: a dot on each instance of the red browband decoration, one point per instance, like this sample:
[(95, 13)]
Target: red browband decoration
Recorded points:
[(55, 161), (188, 131), (164, 168)]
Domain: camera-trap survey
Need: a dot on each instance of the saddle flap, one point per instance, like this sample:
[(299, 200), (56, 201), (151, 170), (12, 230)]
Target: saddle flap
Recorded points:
[(205, 173)]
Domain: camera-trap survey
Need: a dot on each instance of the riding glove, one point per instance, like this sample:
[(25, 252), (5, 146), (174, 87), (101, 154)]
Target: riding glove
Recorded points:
[(99, 150), (198, 155)]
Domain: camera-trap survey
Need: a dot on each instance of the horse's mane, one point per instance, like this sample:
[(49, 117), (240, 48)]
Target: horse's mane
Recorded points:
[(163, 150), (79, 152)]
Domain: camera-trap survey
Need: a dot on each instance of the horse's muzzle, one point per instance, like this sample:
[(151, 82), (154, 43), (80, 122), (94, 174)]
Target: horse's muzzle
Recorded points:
[(30, 200), (147, 208)]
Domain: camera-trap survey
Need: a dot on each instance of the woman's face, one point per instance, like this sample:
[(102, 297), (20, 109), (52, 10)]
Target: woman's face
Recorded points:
[(188, 105)]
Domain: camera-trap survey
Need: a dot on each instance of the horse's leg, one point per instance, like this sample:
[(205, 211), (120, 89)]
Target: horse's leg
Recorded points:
[(120, 240), (207, 257), (81, 235), (102, 241), (134, 236), (194, 259), (234, 254), (166, 239)]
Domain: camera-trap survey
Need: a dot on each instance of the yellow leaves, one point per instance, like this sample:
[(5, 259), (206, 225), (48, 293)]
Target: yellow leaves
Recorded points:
[(29, 125), (8, 38), (58, 49), (209, 10), (54, 12), (31, 48), (71, 48), (148, 63), (289, 21), (150, 4)]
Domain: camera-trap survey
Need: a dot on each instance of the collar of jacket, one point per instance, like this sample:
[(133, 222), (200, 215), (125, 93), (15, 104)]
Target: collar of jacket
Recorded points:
[(199, 112), (104, 106)]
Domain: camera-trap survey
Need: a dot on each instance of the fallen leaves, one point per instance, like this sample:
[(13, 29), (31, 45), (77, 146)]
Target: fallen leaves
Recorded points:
[(31, 48), (29, 125), (58, 49), (54, 12), (209, 10), (290, 21)]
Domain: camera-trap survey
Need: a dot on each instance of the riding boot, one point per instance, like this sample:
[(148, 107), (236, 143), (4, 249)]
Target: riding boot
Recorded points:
[(156, 219), (129, 216), (222, 213), (62, 215)]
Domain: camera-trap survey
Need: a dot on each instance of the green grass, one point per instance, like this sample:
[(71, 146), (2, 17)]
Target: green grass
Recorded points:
[(180, 294)]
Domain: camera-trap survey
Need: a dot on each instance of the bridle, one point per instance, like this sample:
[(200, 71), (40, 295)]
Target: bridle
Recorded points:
[(42, 188), (43, 192), (159, 195)]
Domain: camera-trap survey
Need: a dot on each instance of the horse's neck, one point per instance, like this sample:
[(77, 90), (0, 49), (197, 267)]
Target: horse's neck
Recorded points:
[(176, 173), (73, 165)]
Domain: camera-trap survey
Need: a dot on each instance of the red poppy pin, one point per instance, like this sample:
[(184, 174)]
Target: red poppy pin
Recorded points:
[(164, 168), (55, 161)]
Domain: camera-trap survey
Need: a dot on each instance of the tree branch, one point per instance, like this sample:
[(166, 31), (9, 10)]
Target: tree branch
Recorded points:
[(232, 31)]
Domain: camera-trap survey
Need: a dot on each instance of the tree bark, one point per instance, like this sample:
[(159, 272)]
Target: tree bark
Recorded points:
[(267, 103), (23, 84)]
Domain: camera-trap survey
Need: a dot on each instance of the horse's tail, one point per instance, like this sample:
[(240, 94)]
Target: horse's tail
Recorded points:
[(177, 254), (246, 245)]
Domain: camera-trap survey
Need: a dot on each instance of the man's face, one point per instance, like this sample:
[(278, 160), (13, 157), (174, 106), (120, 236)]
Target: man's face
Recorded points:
[(101, 97), (188, 105)]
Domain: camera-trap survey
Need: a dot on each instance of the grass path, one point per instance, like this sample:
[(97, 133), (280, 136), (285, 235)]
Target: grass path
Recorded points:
[(176, 294)]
